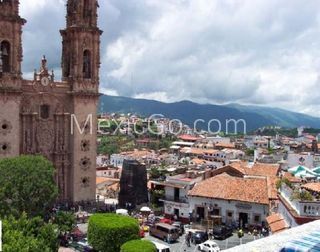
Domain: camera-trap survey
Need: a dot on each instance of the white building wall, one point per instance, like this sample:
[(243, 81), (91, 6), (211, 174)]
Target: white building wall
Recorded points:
[(286, 215), (226, 206), (117, 160)]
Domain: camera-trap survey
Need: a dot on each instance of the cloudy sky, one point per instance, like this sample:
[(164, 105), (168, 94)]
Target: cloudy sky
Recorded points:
[(263, 52)]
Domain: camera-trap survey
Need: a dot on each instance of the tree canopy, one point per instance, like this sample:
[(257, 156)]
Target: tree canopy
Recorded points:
[(26, 235), (26, 185), (65, 221)]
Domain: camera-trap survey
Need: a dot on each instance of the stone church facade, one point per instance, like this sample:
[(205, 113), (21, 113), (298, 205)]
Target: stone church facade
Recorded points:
[(41, 116)]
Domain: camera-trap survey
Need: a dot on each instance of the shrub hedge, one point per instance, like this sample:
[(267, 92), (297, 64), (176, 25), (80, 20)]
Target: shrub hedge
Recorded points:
[(107, 232), (138, 246)]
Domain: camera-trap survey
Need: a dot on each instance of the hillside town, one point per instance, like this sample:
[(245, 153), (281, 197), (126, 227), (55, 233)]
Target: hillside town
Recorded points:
[(259, 184), (159, 126)]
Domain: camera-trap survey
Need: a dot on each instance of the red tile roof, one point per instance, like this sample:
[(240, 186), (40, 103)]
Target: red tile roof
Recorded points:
[(226, 187), (189, 138), (315, 187), (276, 223), (225, 145), (257, 169)]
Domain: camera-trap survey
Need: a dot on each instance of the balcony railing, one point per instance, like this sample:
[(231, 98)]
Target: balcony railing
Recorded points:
[(178, 200), (303, 208)]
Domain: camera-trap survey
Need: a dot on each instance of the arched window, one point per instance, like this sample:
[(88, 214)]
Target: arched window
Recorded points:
[(5, 56), (86, 64)]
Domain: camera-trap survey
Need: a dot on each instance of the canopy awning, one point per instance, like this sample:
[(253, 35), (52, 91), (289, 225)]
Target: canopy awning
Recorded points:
[(306, 243)]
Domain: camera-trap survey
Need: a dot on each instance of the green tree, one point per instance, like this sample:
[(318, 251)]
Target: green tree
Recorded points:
[(65, 221), (285, 181), (156, 173), (107, 232), (26, 185), (29, 235), (250, 152), (109, 145)]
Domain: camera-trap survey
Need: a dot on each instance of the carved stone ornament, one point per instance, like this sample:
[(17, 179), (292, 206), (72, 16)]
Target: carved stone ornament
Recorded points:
[(5, 148), (45, 137), (5, 127), (85, 163), (85, 145), (85, 182)]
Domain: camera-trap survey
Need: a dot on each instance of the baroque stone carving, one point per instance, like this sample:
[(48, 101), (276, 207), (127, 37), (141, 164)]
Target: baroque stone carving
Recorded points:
[(85, 182), (45, 137), (5, 127), (5, 148), (85, 145), (85, 163)]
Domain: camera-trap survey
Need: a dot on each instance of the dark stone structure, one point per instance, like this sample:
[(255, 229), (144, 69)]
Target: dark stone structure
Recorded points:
[(133, 184)]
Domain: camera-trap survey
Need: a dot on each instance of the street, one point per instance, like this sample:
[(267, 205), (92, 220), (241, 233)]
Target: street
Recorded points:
[(180, 245)]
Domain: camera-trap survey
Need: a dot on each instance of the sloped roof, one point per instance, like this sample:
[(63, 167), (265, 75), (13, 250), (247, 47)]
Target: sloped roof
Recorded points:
[(276, 223), (315, 187), (226, 187)]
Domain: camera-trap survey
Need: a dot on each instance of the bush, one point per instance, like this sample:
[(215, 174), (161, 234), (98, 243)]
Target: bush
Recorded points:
[(107, 232), (138, 246)]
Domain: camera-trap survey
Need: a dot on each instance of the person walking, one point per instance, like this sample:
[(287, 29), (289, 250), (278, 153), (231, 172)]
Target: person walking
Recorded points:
[(188, 239)]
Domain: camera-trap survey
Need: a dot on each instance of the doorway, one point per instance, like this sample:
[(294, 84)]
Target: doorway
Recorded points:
[(200, 213), (243, 220), (176, 214)]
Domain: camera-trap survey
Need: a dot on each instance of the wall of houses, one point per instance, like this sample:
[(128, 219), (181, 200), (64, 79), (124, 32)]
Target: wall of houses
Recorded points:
[(170, 208), (229, 210), (117, 160)]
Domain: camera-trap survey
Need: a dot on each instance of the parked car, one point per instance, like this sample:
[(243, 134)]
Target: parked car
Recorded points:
[(165, 231), (84, 246), (221, 232), (209, 246), (166, 220), (161, 247), (199, 237), (180, 226)]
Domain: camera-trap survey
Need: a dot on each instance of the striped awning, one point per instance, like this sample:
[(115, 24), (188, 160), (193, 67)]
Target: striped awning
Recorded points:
[(308, 243)]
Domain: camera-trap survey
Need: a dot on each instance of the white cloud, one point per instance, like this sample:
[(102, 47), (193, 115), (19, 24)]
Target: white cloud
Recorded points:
[(254, 52)]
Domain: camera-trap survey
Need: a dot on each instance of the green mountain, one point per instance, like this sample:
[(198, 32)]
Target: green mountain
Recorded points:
[(188, 112)]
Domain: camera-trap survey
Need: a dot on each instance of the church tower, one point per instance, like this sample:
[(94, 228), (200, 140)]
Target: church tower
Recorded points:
[(80, 69), (10, 76), (55, 119), (10, 38)]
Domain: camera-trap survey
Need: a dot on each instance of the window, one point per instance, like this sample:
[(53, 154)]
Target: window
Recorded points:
[(5, 56), (230, 214), (257, 218), (44, 111), (176, 194), (86, 64)]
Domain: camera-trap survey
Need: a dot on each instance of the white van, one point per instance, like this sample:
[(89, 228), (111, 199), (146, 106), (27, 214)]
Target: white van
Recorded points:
[(161, 247)]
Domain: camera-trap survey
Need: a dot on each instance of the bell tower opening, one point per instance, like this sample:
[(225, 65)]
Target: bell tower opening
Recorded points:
[(5, 56), (86, 64)]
